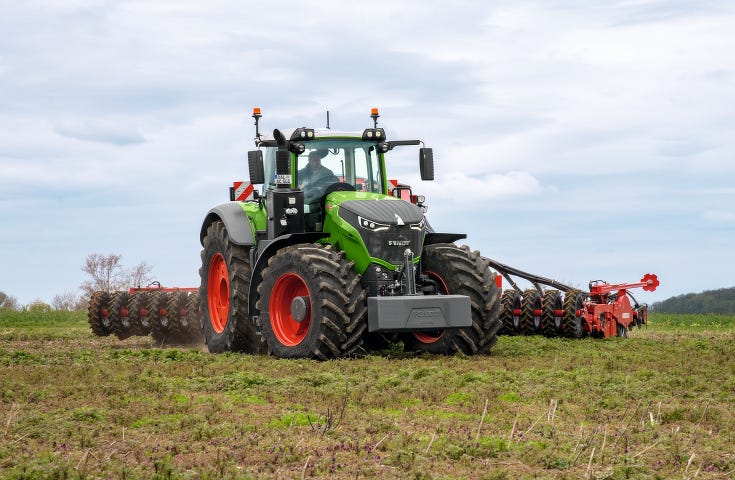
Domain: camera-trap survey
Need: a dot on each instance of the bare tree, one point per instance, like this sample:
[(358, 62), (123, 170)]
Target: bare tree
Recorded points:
[(106, 273), (8, 302), (67, 301), (139, 275)]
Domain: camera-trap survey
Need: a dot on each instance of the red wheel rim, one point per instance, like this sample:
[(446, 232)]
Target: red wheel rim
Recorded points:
[(218, 293), (433, 335), (287, 330)]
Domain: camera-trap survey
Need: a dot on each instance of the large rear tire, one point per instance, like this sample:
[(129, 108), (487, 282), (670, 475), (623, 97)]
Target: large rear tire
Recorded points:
[(311, 303), (225, 279), (459, 271)]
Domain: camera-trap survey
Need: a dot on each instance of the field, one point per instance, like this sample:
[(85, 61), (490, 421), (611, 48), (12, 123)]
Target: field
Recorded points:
[(660, 404)]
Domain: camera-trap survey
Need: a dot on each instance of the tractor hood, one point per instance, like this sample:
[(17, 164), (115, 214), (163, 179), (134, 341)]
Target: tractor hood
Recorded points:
[(384, 212), (385, 226)]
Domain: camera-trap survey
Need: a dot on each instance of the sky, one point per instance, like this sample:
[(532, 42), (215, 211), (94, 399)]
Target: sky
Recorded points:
[(577, 140)]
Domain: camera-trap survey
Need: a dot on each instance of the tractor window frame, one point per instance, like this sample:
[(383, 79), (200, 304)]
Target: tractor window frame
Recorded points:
[(347, 158)]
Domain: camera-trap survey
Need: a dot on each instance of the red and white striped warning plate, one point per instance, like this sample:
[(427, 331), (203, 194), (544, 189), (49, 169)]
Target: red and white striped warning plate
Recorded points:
[(243, 191)]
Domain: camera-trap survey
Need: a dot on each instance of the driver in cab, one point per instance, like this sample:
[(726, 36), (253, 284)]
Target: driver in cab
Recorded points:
[(315, 176)]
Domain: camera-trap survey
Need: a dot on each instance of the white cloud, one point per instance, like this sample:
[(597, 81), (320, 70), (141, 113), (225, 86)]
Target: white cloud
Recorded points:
[(111, 133), (719, 216), (460, 187)]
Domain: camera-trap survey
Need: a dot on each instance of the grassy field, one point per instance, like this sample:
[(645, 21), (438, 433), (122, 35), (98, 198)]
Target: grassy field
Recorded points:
[(660, 404)]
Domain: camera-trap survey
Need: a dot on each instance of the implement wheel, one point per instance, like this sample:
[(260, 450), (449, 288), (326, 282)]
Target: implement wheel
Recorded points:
[(161, 326), (120, 315), (176, 307), (573, 322), (311, 303), (98, 315), (459, 271), (138, 314), (531, 312), (192, 331), (510, 312), (225, 278), (551, 319)]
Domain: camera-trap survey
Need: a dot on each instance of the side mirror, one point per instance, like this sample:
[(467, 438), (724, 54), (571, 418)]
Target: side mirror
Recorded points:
[(255, 165), (426, 163)]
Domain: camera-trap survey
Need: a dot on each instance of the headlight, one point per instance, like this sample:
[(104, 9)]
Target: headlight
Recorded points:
[(296, 147), (371, 225), (419, 226), (302, 134), (373, 134)]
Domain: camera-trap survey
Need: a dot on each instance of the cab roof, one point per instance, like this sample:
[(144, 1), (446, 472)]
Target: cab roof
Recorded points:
[(318, 133)]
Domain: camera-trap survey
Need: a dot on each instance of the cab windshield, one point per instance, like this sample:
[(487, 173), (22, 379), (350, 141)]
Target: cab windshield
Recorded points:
[(325, 162), (352, 162)]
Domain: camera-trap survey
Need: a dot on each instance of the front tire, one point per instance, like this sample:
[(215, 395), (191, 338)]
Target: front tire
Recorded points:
[(311, 304), (223, 292), (459, 271)]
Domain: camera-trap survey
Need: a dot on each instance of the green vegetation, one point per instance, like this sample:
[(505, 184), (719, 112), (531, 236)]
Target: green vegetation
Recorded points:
[(720, 301), (656, 405)]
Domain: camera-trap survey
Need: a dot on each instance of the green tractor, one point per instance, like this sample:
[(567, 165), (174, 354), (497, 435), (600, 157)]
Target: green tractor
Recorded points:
[(327, 257)]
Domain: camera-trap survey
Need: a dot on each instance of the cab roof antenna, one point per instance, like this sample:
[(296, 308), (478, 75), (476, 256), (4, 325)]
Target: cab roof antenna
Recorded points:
[(328, 120)]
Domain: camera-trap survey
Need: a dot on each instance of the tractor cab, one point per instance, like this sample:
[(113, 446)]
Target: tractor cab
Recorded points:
[(306, 165), (332, 158), (331, 162)]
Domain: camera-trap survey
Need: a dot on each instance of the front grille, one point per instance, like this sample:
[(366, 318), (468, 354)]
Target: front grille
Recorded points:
[(379, 243)]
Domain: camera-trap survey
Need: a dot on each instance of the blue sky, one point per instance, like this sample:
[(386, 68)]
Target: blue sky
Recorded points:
[(578, 140)]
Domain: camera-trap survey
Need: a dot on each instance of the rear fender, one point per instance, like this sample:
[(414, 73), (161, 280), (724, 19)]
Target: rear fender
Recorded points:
[(235, 220)]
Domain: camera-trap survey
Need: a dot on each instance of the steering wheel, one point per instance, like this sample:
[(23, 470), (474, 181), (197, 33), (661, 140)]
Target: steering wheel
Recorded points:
[(314, 192), (335, 187), (339, 187)]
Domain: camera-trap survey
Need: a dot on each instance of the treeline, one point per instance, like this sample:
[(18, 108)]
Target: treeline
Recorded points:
[(104, 272), (721, 301)]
